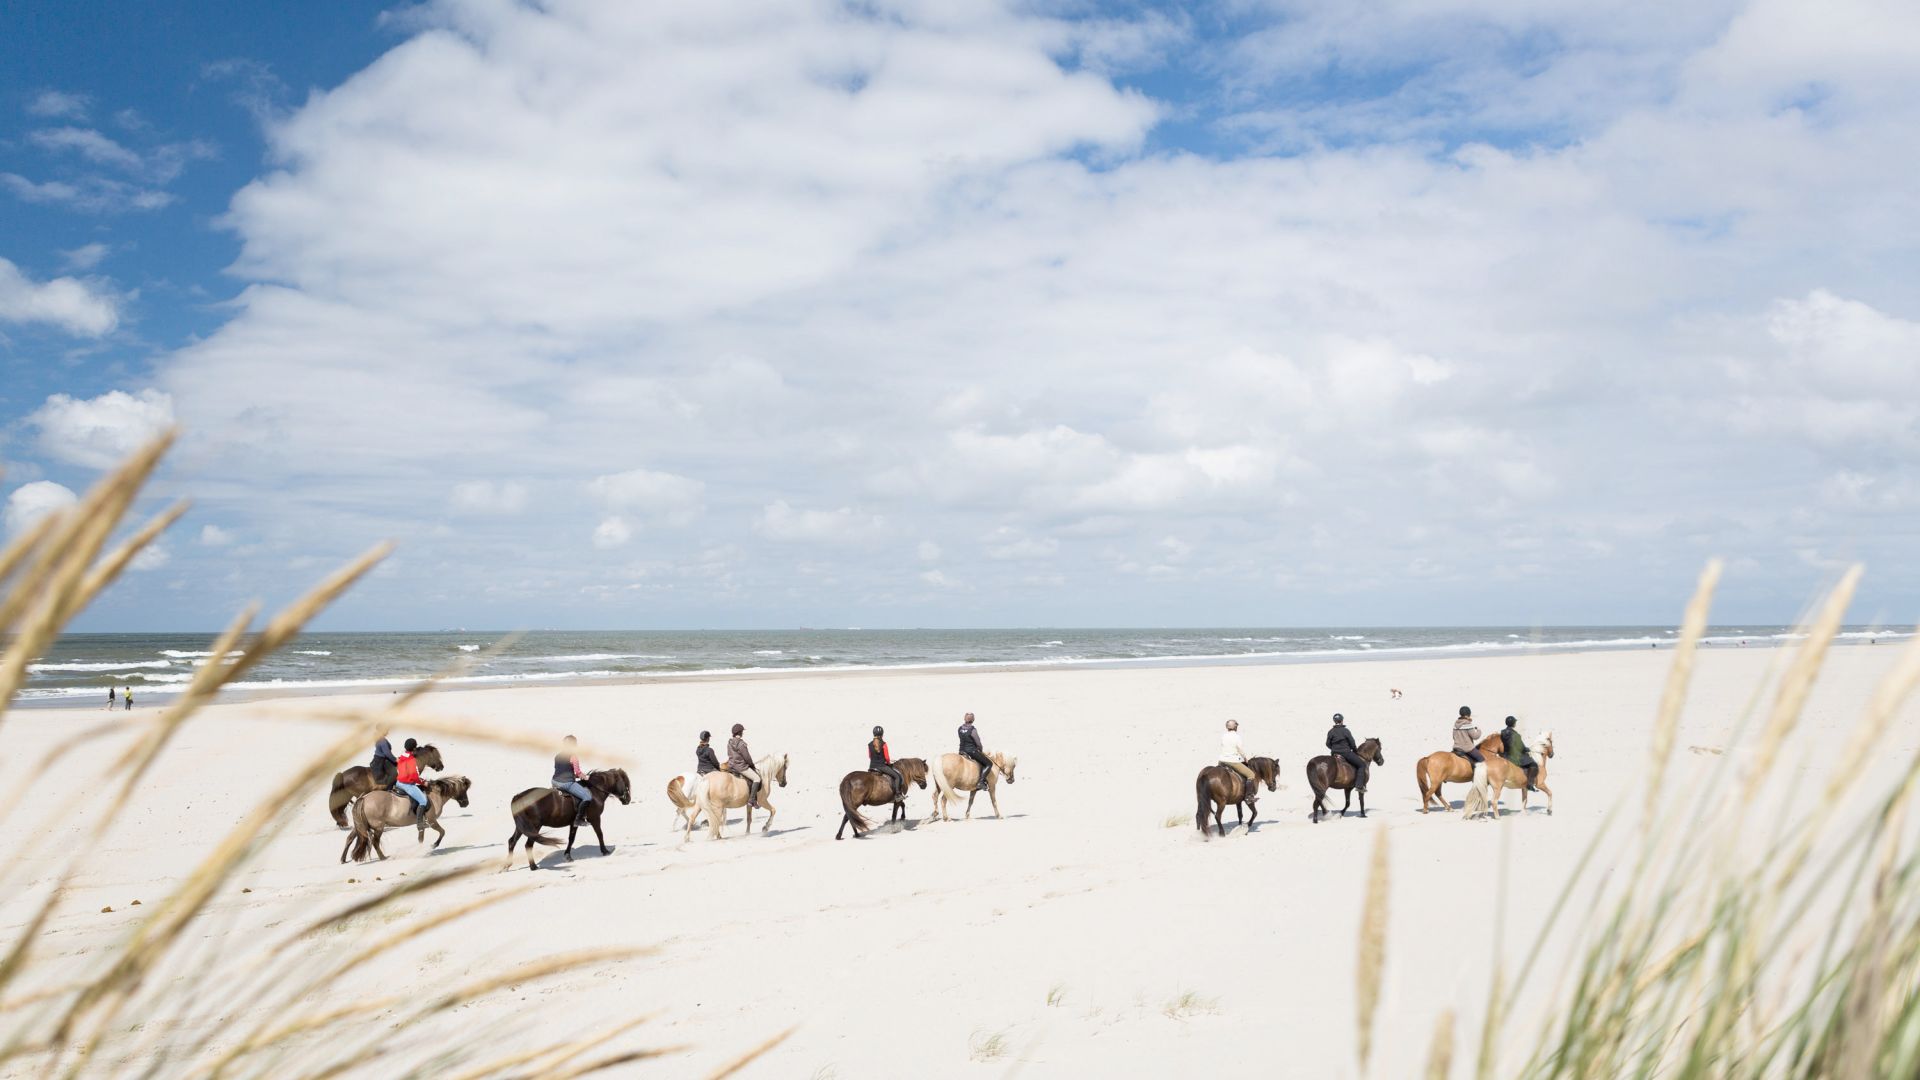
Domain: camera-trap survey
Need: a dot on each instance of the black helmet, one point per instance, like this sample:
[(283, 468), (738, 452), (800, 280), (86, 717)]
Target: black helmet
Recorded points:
[(412, 746), (1465, 711), (1338, 719), (1511, 720), (878, 730), (739, 729), (705, 735)]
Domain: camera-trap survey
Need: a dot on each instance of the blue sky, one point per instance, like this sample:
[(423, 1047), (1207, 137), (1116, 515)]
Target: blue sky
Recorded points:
[(972, 314)]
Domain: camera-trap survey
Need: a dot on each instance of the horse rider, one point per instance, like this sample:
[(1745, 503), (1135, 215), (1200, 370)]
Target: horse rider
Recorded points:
[(407, 780), (1340, 744), (1234, 756), (703, 760), (1466, 737), (1515, 750), (567, 775), (740, 764), (880, 760), (384, 768), (970, 748)]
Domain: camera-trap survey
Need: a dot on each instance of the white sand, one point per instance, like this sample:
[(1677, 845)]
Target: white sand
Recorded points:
[(897, 955)]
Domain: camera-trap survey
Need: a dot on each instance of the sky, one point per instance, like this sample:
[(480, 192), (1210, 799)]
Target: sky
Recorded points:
[(968, 313)]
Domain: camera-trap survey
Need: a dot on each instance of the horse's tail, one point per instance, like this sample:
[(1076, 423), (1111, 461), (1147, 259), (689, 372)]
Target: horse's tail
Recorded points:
[(852, 806), (1202, 797), (337, 799), (537, 838), (676, 793), (1420, 776)]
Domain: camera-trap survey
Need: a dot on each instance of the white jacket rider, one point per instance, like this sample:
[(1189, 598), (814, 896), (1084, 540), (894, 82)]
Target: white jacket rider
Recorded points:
[(1234, 755)]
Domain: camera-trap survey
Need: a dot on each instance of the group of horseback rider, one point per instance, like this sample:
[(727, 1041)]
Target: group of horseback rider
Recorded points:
[(1340, 743), (401, 774), (880, 758), (1466, 743), (739, 761)]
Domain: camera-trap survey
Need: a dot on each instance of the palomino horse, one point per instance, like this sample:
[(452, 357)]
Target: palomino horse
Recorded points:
[(1447, 767), (539, 807), (869, 788), (1327, 771), (724, 791), (1218, 787), (377, 811), (685, 797), (954, 773), (350, 784)]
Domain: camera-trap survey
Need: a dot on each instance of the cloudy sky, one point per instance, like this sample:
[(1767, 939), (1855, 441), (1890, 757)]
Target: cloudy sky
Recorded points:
[(956, 312)]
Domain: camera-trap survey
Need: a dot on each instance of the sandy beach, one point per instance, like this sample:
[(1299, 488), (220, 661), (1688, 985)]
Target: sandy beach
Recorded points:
[(1091, 932)]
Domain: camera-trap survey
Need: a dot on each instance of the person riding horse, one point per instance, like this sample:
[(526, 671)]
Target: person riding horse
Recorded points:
[(406, 780), (1234, 756), (1514, 748), (1341, 745), (880, 760), (970, 747), (1466, 737), (740, 764), (704, 761), (384, 768), (567, 775)]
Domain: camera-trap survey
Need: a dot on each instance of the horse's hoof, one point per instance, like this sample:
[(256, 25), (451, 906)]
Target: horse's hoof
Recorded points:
[(606, 851)]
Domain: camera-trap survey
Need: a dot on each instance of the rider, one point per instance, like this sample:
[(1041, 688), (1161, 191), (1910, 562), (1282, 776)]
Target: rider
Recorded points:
[(566, 777), (880, 760), (384, 767), (740, 764), (1340, 743), (1515, 749), (1466, 738), (1234, 756), (703, 759), (970, 748), (407, 780)]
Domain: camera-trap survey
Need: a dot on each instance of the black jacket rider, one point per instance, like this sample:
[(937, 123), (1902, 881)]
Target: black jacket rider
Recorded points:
[(1340, 744), (877, 762), (705, 760)]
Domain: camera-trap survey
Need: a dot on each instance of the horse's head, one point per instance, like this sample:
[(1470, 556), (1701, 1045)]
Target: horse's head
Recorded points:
[(457, 788), (429, 758), (913, 770), (613, 782), (1546, 743), (1006, 764), (779, 770), (1267, 771), (1371, 751)]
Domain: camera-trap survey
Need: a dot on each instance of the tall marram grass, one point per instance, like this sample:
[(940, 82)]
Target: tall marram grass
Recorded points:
[(172, 997), (1742, 933)]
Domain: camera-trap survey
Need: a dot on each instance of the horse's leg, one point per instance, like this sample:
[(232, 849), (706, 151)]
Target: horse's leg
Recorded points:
[(971, 795), (378, 851), (441, 831), (343, 851), (600, 836), (1542, 785), (1363, 802), (767, 825), (573, 830), (512, 840), (1347, 803), (993, 796), (1219, 816)]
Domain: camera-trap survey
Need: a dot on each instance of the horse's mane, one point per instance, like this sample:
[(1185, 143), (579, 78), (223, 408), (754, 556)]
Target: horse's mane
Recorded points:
[(447, 783)]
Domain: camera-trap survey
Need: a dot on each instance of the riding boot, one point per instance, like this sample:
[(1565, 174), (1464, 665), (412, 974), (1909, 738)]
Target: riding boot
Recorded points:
[(419, 815), (1360, 782), (580, 811), (1533, 774), (985, 775), (753, 794)]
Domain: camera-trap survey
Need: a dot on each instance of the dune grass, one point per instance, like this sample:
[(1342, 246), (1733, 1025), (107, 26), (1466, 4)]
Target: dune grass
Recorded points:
[(158, 1002)]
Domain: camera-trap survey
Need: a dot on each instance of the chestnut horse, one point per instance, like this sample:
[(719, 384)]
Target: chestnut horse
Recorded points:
[(869, 788), (377, 811), (1327, 771), (1447, 767), (540, 807), (350, 784), (723, 791), (1218, 787), (954, 773)]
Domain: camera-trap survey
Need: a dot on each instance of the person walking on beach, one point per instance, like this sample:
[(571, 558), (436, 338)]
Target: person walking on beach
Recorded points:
[(880, 760), (566, 777), (1340, 744), (1515, 749), (970, 747), (1466, 738), (407, 781), (1233, 754), (704, 760), (112, 699), (128, 698), (740, 763)]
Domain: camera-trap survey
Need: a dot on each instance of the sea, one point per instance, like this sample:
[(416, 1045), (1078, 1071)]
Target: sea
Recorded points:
[(83, 666)]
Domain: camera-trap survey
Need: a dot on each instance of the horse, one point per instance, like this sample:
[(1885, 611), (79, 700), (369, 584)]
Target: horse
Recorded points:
[(953, 773), (377, 811), (350, 784), (538, 807), (723, 791), (869, 788), (1327, 771), (1447, 767), (1218, 787)]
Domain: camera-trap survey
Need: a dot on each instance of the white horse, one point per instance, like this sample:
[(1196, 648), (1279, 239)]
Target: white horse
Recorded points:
[(954, 773), (723, 791)]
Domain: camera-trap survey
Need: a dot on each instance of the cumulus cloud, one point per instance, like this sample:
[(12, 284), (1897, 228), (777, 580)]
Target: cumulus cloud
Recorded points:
[(28, 503), (612, 532), (781, 522), (99, 432), (661, 496), (84, 257), (489, 497), (152, 557), (214, 536), (68, 303), (55, 104)]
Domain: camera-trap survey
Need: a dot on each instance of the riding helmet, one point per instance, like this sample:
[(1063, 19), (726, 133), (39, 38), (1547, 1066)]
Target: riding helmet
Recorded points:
[(1465, 711), (705, 735), (1338, 719), (739, 729), (878, 731), (412, 746)]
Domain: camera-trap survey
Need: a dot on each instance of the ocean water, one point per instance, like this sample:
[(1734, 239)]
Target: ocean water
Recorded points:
[(83, 666)]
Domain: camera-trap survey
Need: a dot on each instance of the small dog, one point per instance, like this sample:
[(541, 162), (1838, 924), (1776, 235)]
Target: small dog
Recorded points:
[(1395, 693)]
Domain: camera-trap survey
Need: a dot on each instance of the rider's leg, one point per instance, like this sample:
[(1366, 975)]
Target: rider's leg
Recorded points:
[(986, 770), (1533, 776), (583, 799), (419, 799), (752, 777), (1249, 783)]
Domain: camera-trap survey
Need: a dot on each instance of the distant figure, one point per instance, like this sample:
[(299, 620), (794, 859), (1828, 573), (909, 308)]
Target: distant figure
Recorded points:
[(1395, 693), (970, 747), (1341, 745), (880, 760), (128, 697), (1233, 754), (112, 697), (566, 778), (703, 760)]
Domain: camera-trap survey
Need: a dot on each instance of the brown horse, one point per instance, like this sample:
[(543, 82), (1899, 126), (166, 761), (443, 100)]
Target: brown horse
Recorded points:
[(1447, 767), (1327, 771), (377, 811), (869, 788), (1218, 787), (350, 784), (538, 807)]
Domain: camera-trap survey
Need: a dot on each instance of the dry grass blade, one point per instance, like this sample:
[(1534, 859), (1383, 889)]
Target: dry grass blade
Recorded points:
[(1440, 1050), (1373, 944), (545, 1058), (1673, 697), (749, 1057), (1799, 679), (110, 567)]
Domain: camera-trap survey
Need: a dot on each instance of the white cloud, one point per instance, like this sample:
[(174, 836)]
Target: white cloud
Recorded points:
[(68, 303), (928, 551), (90, 194), (84, 257), (88, 144), (99, 432), (54, 104), (28, 503), (489, 497), (612, 532), (781, 522), (152, 557), (661, 496), (214, 536)]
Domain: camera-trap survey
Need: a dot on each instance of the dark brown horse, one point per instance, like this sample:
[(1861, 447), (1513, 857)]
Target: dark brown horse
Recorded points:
[(1218, 787), (869, 788), (350, 784), (1327, 771), (378, 811), (538, 807)]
